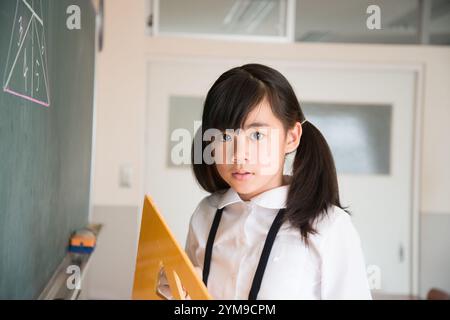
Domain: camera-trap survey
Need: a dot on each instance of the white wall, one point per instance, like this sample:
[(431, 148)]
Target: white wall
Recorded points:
[(121, 104)]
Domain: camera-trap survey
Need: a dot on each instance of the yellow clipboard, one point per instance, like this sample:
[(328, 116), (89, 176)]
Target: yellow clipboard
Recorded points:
[(159, 248)]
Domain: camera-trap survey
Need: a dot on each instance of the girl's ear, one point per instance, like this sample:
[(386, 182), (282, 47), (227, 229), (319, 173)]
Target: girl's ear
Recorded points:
[(293, 138)]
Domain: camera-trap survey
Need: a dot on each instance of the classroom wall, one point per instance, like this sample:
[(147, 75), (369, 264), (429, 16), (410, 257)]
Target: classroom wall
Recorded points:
[(120, 124)]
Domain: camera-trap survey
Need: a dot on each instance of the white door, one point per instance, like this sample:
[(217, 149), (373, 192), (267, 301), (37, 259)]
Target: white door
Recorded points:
[(367, 116)]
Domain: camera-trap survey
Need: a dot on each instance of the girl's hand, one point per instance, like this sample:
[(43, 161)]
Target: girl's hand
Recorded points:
[(163, 288)]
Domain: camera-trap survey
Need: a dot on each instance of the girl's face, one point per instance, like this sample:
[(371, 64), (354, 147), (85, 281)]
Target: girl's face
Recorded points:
[(251, 159)]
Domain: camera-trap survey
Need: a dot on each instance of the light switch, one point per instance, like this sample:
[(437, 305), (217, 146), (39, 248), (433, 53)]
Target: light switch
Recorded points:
[(125, 176)]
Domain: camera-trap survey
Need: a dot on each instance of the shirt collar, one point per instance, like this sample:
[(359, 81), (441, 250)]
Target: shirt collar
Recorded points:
[(272, 199)]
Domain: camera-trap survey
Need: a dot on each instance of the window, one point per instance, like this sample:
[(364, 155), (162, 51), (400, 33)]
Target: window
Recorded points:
[(359, 135), (343, 21)]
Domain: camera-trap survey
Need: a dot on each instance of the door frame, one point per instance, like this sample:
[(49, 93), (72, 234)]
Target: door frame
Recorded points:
[(419, 71)]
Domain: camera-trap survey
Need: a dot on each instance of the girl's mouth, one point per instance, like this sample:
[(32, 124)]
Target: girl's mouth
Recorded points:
[(242, 175)]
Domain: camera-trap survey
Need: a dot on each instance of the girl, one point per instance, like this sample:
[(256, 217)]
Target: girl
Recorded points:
[(261, 234)]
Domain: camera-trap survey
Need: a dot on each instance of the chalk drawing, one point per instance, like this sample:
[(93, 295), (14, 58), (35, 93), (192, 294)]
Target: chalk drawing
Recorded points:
[(26, 73)]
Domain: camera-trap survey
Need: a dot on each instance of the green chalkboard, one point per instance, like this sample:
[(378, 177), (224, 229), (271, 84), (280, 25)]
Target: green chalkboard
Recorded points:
[(46, 117)]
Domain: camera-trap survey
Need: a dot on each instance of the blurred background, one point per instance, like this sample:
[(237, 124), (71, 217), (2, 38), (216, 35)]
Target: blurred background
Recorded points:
[(373, 76)]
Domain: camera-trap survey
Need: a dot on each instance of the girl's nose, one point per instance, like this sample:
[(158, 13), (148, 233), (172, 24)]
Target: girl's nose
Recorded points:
[(240, 153)]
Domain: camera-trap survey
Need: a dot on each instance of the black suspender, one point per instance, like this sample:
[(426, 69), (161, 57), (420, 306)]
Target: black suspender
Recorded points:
[(209, 245), (257, 279)]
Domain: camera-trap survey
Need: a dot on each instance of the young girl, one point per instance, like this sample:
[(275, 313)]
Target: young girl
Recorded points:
[(262, 234)]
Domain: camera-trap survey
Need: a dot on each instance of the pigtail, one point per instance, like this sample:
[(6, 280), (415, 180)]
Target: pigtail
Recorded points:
[(314, 187)]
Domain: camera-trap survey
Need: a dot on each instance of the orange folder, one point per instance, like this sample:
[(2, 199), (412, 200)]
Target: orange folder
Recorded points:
[(159, 249)]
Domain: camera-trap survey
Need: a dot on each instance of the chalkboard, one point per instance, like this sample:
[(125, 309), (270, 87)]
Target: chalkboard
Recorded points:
[(46, 117)]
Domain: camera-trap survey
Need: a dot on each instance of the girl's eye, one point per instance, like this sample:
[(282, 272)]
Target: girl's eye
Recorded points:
[(225, 137), (256, 135)]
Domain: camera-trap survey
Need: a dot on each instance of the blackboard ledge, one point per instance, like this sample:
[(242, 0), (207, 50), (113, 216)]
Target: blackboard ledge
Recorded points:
[(57, 288)]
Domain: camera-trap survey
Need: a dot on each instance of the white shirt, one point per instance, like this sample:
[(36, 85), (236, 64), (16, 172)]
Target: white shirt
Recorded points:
[(332, 267)]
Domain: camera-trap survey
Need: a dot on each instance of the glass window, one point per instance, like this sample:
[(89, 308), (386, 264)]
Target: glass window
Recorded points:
[(348, 20), (439, 25), (184, 111), (265, 18), (343, 21), (359, 136)]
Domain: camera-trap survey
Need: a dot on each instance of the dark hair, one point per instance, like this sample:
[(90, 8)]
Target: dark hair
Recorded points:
[(314, 187)]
